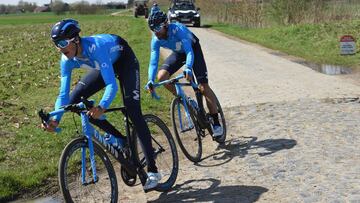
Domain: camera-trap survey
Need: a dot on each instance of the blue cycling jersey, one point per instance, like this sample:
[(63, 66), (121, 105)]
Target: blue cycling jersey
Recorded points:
[(99, 52), (180, 40)]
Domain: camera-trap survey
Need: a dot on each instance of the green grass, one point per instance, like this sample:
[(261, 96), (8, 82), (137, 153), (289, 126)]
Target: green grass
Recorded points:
[(29, 80), (315, 43), (48, 17)]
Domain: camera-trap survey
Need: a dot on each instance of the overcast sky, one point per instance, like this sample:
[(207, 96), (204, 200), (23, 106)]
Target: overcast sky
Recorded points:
[(41, 2)]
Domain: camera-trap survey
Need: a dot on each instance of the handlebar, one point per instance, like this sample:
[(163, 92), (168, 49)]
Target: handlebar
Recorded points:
[(169, 81), (84, 105)]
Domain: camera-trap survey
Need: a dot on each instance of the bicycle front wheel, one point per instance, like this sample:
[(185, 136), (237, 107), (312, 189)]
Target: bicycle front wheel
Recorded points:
[(165, 152), (76, 176), (186, 131)]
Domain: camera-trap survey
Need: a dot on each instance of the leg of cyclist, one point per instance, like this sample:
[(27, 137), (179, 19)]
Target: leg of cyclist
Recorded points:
[(91, 83), (171, 64), (127, 69), (164, 75), (200, 71)]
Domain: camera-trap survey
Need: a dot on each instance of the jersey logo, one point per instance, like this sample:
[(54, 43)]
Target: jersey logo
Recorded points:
[(92, 48), (175, 30), (136, 95), (104, 65), (178, 46)]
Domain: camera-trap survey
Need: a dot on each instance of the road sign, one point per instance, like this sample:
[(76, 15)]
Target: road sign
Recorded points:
[(347, 45)]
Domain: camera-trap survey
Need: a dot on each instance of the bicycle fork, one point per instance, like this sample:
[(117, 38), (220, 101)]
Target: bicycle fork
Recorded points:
[(88, 131), (187, 117), (182, 98)]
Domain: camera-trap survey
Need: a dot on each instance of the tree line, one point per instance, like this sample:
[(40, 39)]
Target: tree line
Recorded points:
[(265, 13), (59, 7)]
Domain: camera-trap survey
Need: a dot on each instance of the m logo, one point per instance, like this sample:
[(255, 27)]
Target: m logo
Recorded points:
[(175, 30), (92, 48), (136, 95)]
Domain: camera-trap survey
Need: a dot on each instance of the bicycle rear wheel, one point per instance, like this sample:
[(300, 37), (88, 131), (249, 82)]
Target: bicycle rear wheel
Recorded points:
[(166, 156), (186, 131), (221, 139), (70, 174)]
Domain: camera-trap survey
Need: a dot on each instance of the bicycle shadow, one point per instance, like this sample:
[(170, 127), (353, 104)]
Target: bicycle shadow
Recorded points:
[(194, 191), (247, 145)]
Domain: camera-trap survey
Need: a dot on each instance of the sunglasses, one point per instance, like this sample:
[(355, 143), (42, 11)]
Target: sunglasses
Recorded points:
[(63, 43), (158, 28)]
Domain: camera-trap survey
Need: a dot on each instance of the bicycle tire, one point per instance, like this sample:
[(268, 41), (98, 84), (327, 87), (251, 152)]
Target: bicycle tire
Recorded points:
[(221, 139), (70, 181), (160, 134), (184, 140)]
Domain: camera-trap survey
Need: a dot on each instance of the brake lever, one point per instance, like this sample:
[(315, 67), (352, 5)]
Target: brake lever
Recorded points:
[(45, 118)]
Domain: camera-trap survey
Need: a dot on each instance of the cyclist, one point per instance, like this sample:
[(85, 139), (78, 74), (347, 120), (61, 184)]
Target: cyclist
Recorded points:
[(106, 56), (154, 8), (186, 53)]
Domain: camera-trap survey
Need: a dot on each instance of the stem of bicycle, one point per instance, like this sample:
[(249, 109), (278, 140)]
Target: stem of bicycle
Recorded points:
[(88, 131)]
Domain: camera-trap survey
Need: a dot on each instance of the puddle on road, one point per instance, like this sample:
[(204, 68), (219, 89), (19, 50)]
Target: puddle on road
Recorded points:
[(341, 100), (325, 68), (322, 68)]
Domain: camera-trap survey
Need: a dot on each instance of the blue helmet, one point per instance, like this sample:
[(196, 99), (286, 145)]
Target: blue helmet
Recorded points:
[(65, 29), (157, 19)]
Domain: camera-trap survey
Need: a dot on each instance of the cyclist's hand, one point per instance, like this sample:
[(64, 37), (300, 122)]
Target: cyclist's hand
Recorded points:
[(96, 112), (51, 126), (188, 74), (149, 85)]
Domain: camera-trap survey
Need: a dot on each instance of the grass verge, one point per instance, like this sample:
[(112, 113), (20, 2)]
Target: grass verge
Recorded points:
[(317, 43)]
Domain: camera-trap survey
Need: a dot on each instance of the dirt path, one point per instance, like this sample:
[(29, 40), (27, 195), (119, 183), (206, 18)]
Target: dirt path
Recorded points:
[(293, 136)]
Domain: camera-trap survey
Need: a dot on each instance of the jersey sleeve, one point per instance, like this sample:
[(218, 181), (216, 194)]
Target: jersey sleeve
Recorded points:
[(103, 63), (185, 38), (154, 59), (66, 67)]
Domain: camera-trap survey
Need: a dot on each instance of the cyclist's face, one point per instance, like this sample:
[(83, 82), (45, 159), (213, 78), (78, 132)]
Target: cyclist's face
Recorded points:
[(161, 34), (68, 51)]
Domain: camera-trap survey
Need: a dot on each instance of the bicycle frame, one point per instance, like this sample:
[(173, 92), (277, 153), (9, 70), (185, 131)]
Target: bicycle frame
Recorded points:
[(180, 93), (89, 132)]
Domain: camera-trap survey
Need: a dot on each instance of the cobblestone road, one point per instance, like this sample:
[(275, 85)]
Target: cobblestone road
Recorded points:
[(300, 151)]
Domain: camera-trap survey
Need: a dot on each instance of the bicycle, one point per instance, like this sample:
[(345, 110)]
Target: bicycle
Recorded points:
[(188, 114), (84, 165)]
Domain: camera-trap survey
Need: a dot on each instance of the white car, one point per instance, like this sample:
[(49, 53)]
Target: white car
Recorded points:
[(184, 11)]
